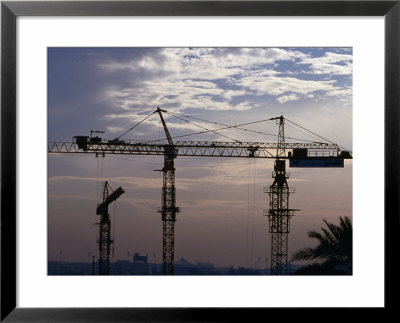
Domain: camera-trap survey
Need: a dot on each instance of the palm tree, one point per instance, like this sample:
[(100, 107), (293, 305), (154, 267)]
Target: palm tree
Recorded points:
[(334, 253)]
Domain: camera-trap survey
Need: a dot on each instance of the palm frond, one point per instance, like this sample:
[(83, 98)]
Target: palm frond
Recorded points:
[(334, 248)]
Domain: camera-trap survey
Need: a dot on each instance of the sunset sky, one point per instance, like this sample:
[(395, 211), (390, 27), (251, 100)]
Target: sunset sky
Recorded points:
[(221, 199)]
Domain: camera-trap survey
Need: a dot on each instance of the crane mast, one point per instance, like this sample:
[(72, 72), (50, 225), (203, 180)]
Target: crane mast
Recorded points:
[(279, 213), (105, 241), (168, 208)]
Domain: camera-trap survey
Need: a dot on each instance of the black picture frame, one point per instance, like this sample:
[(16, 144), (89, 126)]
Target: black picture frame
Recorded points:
[(11, 10)]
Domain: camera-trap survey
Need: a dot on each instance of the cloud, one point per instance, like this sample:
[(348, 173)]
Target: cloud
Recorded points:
[(286, 98), (221, 79), (330, 63), (274, 85)]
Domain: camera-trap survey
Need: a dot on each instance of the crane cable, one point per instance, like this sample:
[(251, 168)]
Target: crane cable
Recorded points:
[(224, 128), (181, 166), (254, 199), (101, 170), (131, 128), (97, 180), (344, 148), (248, 213), (98, 199), (221, 124), (206, 131), (248, 216), (245, 129), (113, 236), (302, 132), (310, 131), (99, 176), (230, 126), (204, 128)]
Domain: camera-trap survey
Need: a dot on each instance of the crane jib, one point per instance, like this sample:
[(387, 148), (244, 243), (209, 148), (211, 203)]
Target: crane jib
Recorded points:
[(295, 151)]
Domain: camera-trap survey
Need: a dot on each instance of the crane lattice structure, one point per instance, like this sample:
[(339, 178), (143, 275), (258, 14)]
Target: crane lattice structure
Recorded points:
[(168, 208), (105, 240), (279, 213), (302, 154)]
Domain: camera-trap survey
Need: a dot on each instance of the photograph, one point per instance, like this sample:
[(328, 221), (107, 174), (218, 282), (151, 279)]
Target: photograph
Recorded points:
[(199, 161), (190, 161)]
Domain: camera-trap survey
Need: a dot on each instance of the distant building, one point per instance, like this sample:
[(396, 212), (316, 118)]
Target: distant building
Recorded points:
[(140, 266), (247, 271), (121, 267), (224, 270), (183, 267), (205, 268), (137, 257), (69, 268)]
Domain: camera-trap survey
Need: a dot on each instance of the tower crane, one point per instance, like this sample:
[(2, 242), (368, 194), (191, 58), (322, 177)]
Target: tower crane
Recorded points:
[(105, 239), (279, 213), (168, 208), (303, 154)]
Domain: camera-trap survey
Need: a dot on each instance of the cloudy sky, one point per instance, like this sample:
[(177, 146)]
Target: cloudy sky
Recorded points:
[(222, 199)]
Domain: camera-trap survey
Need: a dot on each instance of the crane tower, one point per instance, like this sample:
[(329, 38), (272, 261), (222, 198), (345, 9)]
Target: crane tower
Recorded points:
[(105, 239), (168, 208), (279, 213)]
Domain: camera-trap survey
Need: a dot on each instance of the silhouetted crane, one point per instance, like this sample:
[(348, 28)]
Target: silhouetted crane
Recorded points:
[(105, 239), (305, 154)]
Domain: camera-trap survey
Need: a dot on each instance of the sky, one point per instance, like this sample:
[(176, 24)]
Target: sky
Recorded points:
[(221, 199)]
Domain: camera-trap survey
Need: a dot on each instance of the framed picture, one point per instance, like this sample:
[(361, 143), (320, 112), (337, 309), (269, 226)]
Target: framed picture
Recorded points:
[(35, 281)]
